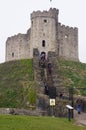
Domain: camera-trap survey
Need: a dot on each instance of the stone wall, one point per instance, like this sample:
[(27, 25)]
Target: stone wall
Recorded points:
[(16, 111), (45, 34), (17, 47), (43, 29), (52, 13), (68, 42)]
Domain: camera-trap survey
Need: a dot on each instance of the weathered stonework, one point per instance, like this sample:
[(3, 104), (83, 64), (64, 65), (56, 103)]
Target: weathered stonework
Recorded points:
[(46, 34)]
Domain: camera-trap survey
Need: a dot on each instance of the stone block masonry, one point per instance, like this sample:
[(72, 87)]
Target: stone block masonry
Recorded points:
[(46, 34)]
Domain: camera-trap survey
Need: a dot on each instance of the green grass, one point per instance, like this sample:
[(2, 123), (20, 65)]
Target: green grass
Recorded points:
[(9, 122), (73, 74), (16, 79), (17, 85)]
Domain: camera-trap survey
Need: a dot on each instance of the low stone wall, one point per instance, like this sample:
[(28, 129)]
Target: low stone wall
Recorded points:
[(15, 111)]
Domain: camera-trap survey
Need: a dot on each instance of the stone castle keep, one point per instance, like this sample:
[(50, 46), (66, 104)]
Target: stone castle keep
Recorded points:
[(45, 34)]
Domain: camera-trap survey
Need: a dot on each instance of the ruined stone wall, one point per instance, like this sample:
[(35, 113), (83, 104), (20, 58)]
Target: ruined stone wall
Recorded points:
[(68, 42), (17, 47)]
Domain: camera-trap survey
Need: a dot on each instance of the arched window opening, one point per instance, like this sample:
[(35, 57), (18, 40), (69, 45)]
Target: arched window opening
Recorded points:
[(43, 43), (32, 22), (45, 21), (66, 36), (43, 53), (12, 54)]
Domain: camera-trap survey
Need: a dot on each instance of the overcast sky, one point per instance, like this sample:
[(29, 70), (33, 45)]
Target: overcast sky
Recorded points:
[(15, 18)]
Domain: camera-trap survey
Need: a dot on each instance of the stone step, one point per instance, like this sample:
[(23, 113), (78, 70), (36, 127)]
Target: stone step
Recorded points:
[(57, 85), (57, 82), (40, 89)]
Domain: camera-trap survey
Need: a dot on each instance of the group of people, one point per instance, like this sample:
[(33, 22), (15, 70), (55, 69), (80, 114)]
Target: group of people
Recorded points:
[(45, 67), (43, 64)]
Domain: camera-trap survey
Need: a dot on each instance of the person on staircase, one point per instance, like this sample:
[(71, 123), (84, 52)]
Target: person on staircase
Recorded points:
[(49, 68), (42, 61), (43, 64), (61, 95), (46, 87), (43, 56)]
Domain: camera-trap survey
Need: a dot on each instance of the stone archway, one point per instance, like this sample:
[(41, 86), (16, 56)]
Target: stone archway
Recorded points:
[(43, 52)]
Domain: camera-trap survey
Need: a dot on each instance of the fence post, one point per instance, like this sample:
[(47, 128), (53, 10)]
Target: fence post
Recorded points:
[(71, 92)]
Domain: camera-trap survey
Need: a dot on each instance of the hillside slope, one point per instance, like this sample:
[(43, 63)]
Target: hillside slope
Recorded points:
[(16, 83), (73, 75)]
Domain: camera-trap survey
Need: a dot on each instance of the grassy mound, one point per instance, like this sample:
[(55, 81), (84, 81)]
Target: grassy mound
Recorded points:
[(17, 84), (73, 74)]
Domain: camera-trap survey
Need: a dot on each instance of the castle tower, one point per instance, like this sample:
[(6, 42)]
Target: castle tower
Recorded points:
[(45, 34), (43, 31)]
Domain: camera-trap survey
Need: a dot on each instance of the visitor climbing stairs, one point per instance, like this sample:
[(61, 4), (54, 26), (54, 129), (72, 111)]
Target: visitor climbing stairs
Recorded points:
[(43, 76)]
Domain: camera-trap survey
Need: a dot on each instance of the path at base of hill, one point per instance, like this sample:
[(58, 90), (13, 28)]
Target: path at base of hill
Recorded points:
[(80, 119)]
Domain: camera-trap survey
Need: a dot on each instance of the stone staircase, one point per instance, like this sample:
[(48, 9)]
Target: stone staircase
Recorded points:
[(37, 73), (56, 79), (53, 80)]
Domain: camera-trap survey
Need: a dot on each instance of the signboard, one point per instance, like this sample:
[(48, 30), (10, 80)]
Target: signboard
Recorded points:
[(69, 107), (52, 102)]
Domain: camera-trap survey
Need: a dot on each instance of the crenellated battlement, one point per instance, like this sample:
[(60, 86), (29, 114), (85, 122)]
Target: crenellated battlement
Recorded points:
[(68, 28), (18, 36), (52, 13), (47, 35)]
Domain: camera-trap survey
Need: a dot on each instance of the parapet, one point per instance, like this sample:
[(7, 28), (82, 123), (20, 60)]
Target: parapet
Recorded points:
[(16, 37), (52, 13), (67, 28)]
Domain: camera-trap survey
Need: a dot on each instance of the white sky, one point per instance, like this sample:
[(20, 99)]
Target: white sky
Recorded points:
[(15, 18)]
